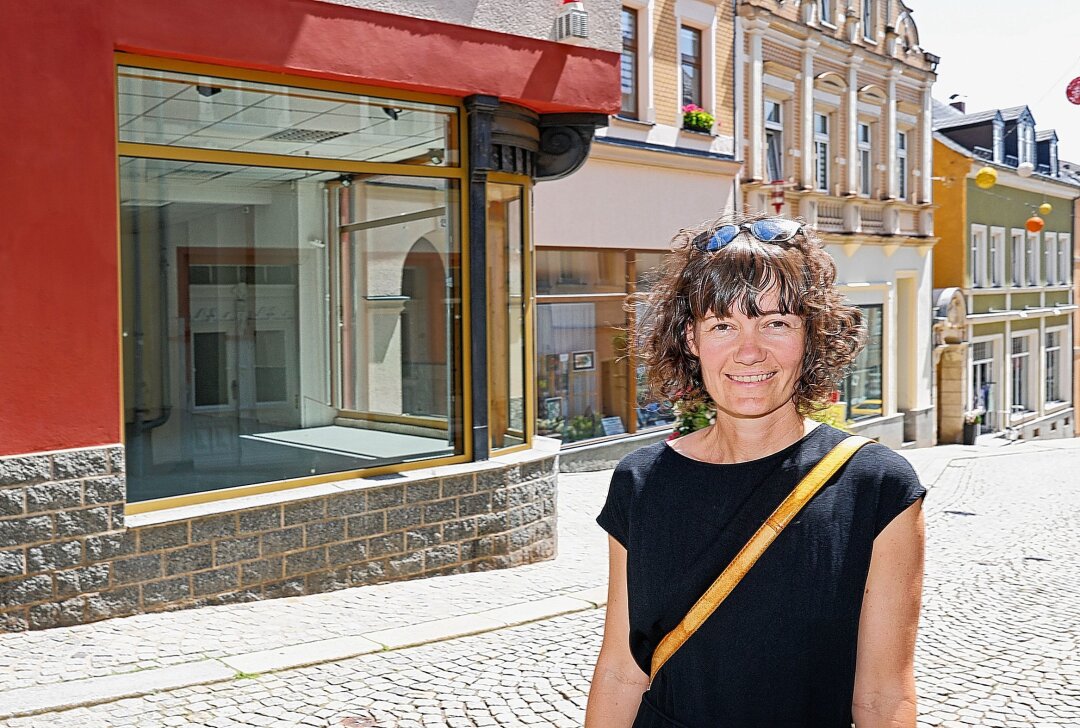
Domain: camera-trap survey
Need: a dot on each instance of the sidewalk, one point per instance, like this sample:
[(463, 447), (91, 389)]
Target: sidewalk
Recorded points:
[(88, 664)]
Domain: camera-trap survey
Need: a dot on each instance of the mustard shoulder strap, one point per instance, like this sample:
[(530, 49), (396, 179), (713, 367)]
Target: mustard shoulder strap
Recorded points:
[(754, 548)]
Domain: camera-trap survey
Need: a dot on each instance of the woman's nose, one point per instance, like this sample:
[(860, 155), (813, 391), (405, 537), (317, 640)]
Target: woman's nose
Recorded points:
[(749, 349)]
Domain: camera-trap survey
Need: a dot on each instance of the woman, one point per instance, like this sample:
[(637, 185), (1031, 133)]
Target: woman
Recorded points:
[(820, 633)]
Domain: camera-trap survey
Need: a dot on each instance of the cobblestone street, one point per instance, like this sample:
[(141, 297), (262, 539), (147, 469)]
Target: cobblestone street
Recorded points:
[(998, 640)]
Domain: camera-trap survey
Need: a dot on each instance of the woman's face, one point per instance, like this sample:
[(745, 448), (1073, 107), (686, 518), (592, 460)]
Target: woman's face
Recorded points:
[(750, 365)]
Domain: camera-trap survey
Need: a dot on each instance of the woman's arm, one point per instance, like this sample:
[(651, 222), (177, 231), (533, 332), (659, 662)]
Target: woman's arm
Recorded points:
[(617, 681), (885, 668)]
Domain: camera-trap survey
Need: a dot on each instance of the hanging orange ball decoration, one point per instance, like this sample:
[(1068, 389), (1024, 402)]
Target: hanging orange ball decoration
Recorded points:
[(1034, 224)]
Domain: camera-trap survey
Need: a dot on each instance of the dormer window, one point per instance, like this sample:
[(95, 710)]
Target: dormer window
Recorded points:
[(999, 140)]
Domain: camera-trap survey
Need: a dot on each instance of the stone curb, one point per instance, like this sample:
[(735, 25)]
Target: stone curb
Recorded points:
[(109, 688)]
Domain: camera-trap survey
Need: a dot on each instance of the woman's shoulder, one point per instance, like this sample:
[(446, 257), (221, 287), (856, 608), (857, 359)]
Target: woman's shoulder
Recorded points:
[(642, 460), (883, 462)]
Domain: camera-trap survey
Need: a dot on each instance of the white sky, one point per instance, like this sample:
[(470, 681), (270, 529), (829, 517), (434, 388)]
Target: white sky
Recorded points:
[(1002, 53)]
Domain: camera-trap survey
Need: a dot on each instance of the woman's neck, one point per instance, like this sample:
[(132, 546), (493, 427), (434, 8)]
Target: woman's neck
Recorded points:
[(739, 439)]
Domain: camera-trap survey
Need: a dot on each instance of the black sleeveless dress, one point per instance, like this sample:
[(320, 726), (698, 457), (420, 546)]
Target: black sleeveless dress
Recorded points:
[(780, 650)]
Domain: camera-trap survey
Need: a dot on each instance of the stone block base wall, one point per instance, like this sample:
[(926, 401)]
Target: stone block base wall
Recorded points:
[(67, 556)]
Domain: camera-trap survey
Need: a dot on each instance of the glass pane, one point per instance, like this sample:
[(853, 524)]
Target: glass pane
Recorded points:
[(580, 272), (647, 267), (398, 289), (582, 370), (208, 369), (231, 373), (691, 85), (774, 155), (690, 43), (506, 315), (862, 386), (179, 109)]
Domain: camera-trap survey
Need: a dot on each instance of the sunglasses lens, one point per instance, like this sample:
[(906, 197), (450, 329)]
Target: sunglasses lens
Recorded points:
[(723, 235), (774, 230)]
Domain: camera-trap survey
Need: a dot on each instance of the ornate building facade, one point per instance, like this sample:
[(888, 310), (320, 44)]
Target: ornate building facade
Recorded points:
[(834, 126)]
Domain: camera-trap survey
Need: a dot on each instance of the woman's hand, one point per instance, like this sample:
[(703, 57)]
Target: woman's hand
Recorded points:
[(885, 668)]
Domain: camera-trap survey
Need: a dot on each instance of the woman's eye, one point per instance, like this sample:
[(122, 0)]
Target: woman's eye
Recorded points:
[(721, 327), (778, 324)]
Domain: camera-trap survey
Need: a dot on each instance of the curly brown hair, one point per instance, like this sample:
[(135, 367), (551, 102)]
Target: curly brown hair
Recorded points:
[(691, 284)]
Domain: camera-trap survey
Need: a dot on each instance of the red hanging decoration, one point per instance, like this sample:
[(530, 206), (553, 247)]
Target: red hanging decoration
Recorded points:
[(1034, 224), (776, 197), (1072, 91)]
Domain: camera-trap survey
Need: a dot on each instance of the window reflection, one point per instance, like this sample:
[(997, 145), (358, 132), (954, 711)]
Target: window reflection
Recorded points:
[(862, 386), (506, 315), (278, 324)]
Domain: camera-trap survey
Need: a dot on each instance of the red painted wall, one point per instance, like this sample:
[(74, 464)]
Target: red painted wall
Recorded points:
[(59, 308)]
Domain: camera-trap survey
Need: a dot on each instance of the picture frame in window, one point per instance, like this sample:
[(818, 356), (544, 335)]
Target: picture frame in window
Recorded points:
[(584, 361)]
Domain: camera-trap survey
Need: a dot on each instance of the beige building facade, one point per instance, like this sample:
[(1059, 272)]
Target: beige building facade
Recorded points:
[(600, 232), (834, 114)]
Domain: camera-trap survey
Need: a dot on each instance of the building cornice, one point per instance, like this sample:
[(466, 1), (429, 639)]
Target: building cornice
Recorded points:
[(614, 149), (757, 17)]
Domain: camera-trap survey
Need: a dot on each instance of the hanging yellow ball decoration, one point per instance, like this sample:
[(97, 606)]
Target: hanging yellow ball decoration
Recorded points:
[(986, 177), (1045, 208)]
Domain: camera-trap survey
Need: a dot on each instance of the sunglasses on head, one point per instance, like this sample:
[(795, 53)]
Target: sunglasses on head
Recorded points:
[(769, 230)]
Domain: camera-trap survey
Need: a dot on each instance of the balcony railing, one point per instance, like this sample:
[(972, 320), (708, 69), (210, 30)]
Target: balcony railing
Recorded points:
[(830, 216), (873, 219)]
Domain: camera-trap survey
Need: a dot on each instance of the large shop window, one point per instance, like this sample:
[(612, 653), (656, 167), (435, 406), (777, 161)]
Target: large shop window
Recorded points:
[(507, 297), (285, 313), (583, 388), (862, 386)]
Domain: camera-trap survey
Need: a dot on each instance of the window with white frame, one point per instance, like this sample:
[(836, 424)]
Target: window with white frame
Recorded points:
[(1016, 257), (978, 256), (774, 140), (996, 259), (902, 164), (866, 159), (629, 64), (1050, 253), (690, 61), (826, 9), (1032, 259), (1020, 367), (821, 151), (1064, 258), (868, 27), (1055, 367)]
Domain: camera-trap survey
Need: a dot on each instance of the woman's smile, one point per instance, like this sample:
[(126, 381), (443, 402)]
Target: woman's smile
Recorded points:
[(751, 378)]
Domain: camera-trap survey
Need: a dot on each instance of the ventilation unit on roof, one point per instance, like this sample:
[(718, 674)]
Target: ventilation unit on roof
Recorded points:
[(312, 136), (572, 23)]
